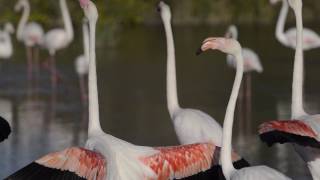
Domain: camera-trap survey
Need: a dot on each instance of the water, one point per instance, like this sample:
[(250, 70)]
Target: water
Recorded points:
[(132, 95)]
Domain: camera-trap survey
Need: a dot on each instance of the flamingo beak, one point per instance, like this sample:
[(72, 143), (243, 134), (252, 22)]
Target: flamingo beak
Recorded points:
[(84, 3), (199, 51)]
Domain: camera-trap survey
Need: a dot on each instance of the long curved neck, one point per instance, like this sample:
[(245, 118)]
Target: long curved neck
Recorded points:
[(281, 22), (66, 19), (172, 96), (297, 84), (86, 46), (234, 33), (226, 150), (94, 121), (23, 21)]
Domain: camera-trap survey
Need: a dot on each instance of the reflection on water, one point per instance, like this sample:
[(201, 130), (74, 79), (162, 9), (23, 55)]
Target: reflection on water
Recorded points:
[(132, 96)]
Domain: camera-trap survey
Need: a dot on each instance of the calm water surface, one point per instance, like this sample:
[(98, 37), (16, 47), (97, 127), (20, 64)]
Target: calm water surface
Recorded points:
[(132, 95)]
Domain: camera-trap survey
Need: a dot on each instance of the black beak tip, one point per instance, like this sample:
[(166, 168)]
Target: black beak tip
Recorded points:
[(199, 51), (158, 7)]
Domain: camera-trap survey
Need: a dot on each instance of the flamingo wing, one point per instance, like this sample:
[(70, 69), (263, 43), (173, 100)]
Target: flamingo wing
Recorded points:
[(289, 131), (5, 129), (71, 163)]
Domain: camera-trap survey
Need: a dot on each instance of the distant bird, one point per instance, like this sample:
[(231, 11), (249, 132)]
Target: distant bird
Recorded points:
[(311, 39), (30, 33), (231, 46), (303, 130), (5, 129), (82, 62), (109, 158), (6, 49), (58, 38)]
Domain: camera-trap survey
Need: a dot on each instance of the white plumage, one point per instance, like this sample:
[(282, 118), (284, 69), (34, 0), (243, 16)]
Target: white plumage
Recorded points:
[(258, 173), (6, 49)]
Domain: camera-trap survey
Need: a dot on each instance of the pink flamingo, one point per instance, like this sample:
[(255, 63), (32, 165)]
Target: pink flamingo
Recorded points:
[(6, 49), (58, 38), (231, 46), (108, 158), (191, 125), (303, 130), (311, 40), (82, 61), (30, 34)]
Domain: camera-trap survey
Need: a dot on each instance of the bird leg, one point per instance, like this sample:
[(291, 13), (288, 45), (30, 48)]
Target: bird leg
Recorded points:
[(53, 72), (29, 63), (83, 90), (248, 100), (37, 67)]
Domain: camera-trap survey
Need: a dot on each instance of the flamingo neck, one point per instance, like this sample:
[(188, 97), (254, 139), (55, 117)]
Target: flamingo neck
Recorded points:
[(86, 46), (281, 22), (23, 21), (234, 33), (297, 84), (172, 96), (94, 121), (226, 150), (66, 20)]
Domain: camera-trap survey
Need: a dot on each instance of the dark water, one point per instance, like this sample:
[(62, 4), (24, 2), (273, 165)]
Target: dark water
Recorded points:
[(132, 95)]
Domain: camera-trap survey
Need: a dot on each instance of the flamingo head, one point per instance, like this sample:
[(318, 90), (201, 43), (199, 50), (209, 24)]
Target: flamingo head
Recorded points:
[(232, 32), (273, 2), (226, 45), (164, 10), (90, 9), (8, 27), (20, 4), (295, 4)]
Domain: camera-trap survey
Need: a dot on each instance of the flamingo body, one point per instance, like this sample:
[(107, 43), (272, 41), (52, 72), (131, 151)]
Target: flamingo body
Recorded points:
[(6, 49), (55, 39), (32, 34), (258, 172), (251, 61), (82, 65), (311, 40)]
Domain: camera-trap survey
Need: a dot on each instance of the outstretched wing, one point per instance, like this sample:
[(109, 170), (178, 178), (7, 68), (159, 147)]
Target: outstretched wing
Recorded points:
[(72, 163), (182, 161), (289, 131)]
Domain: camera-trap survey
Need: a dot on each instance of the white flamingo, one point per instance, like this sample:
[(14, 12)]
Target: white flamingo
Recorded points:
[(30, 33), (58, 38), (191, 125), (310, 39), (82, 61), (231, 46), (109, 158), (6, 49), (304, 129)]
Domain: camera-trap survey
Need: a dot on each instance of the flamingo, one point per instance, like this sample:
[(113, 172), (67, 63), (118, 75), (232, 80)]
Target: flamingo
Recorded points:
[(82, 61), (106, 157), (311, 39), (191, 125), (5, 129), (58, 38), (303, 131), (232, 47), (30, 33), (6, 49)]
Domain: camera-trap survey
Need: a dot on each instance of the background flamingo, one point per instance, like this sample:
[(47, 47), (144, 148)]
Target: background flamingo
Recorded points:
[(303, 130), (310, 39), (82, 62), (30, 33), (231, 46), (57, 39), (191, 126), (6, 49), (125, 161)]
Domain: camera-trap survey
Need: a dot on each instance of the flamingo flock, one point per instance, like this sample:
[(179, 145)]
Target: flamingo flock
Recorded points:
[(205, 150)]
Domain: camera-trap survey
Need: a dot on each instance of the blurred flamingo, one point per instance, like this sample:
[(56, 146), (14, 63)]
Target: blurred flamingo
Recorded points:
[(191, 126), (82, 61), (30, 33), (58, 38), (232, 46), (107, 157), (311, 39), (303, 131), (6, 49)]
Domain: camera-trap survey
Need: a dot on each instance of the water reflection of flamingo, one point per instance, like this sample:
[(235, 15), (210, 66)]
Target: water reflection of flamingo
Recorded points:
[(310, 39), (82, 62), (30, 34), (125, 160), (6, 49), (58, 38), (231, 46), (303, 130)]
